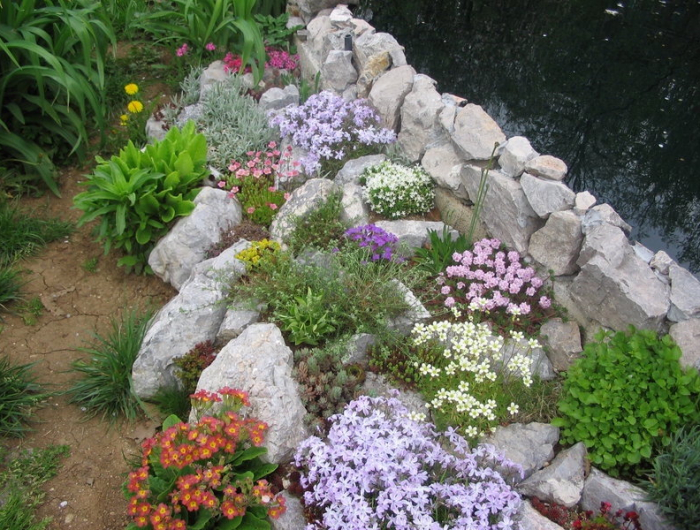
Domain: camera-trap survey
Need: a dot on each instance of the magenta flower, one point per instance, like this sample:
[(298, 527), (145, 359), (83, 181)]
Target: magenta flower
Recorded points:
[(211, 47), (182, 50)]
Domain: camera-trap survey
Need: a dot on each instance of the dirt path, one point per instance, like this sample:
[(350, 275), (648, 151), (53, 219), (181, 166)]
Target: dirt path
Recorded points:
[(86, 495)]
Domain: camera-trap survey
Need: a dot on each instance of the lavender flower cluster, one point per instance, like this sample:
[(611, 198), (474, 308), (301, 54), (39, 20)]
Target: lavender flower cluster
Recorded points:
[(380, 243), (495, 281), (325, 125), (381, 469)]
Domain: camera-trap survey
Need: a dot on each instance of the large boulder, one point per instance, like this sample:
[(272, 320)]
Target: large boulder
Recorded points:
[(563, 342), (375, 53), (685, 294), (388, 93), (687, 336), (442, 162), (556, 246), (546, 196), (546, 166), (193, 316), (260, 363), (516, 152), (419, 117), (353, 169), (530, 445), (338, 72), (506, 211), (186, 244), (615, 286), (475, 132)]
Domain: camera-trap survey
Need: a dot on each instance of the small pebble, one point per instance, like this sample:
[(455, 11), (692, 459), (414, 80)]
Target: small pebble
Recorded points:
[(69, 518), (63, 504)]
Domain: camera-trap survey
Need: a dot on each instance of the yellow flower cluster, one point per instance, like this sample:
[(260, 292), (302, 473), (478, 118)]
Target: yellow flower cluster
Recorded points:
[(258, 251), (134, 106)]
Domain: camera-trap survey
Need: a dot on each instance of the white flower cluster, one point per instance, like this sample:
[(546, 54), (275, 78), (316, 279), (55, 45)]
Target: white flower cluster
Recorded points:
[(395, 190)]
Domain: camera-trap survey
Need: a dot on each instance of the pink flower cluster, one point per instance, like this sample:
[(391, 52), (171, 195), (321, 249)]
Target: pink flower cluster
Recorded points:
[(488, 279), (274, 164), (279, 59), (182, 50)]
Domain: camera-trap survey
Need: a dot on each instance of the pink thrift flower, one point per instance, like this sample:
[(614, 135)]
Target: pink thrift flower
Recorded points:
[(545, 302), (287, 196), (211, 47), (272, 144), (445, 289), (272, 206), (235, 190), (449, 301), (182, 50), (272, 189), (221, 184), (250, 210)]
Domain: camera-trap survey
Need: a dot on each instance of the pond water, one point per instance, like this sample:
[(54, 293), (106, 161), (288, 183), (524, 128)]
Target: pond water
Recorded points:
[(613, 89)]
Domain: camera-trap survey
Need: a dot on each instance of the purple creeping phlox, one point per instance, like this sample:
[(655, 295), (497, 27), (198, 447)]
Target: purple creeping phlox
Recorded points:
[(381, 469), (489, 280), (326, 126), (380, 243)]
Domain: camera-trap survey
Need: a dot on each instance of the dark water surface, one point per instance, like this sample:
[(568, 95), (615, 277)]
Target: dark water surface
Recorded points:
[(610, 88)]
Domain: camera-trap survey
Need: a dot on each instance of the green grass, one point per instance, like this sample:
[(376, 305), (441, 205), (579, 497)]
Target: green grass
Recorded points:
[(10, 286), (173, 401), (19, 393), (104, 386), (20, 486), (90, 265)]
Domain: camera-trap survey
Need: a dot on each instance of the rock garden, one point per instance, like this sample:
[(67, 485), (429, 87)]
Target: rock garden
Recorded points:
[(386, 314)]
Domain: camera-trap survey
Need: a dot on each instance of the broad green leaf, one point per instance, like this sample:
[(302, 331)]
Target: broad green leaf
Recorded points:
[(170, 421), (202, 519), (251, 522)]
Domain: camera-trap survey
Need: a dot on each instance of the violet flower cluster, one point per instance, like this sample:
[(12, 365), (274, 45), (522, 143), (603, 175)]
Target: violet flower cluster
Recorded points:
[(326, 127), (381, 469), (380, 243), (488, 279)]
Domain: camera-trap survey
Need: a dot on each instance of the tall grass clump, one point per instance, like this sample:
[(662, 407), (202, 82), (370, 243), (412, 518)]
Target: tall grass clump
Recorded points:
[(19, 393), (104, 385), (52, 55)]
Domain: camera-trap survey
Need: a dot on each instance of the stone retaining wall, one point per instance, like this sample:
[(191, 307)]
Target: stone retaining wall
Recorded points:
[(599, 275)]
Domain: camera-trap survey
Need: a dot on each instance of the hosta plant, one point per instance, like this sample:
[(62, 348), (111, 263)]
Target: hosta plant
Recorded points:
[(395, 191), (625, 397), (380, 468), (205, 475), (137, 194)]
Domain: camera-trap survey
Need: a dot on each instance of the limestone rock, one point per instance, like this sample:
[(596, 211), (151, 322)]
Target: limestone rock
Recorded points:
[(411, 234), (584, 200), (352, 170), (419, 113), (516, 152), (604, 213), (547, 196), (277, 98), (563, 340), (293, 518), (235, 321), (607, 241), (541, 366), (643, 252), (562, 481), (531, 519), (444, 164), (155, 129), (506, 211), (388, 93), (302, 201), (622, 496), (337, 71), (557, 245), (375, 53), (377, 385), (185, 245), (685, 294), (661, 262), (354, 210), (687, 336), (547, 166), (260, 363), (404, 323), (309, 8), (530, 445), (475, 133), (357, 348), (211, 75), (193, 316)]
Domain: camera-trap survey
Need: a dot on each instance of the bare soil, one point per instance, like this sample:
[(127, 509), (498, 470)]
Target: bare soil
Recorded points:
[(86, 494)]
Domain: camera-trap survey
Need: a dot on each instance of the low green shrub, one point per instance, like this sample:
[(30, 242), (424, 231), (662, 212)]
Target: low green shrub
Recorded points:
[(258, 253), (138, 193), (321, 228), (675, 479), (19, 393), (626, 397), (441, 246), (104, 385), (307, 319), (395, 191)]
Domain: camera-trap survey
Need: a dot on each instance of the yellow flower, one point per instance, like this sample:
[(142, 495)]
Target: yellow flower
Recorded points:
[(131, 89), (135, 106), (124, 118)]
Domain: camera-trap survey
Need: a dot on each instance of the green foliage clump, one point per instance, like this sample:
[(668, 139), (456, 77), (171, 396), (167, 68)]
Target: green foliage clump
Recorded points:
[(675, 479), (192, 364), (625, 397), (307, 319), (19, 393), (275, 32), (326, 385), (138, 193), (21, 486), (52, 69), (396, 191), (104, 385), (321, 228), (257, 252), (232, 123), (438, 255)]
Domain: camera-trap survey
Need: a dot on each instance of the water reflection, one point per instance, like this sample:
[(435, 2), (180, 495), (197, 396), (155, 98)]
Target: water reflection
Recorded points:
[(611, 88)]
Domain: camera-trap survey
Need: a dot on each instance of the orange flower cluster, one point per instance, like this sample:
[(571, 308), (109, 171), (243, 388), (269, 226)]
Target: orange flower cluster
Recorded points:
[(201, 456)]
